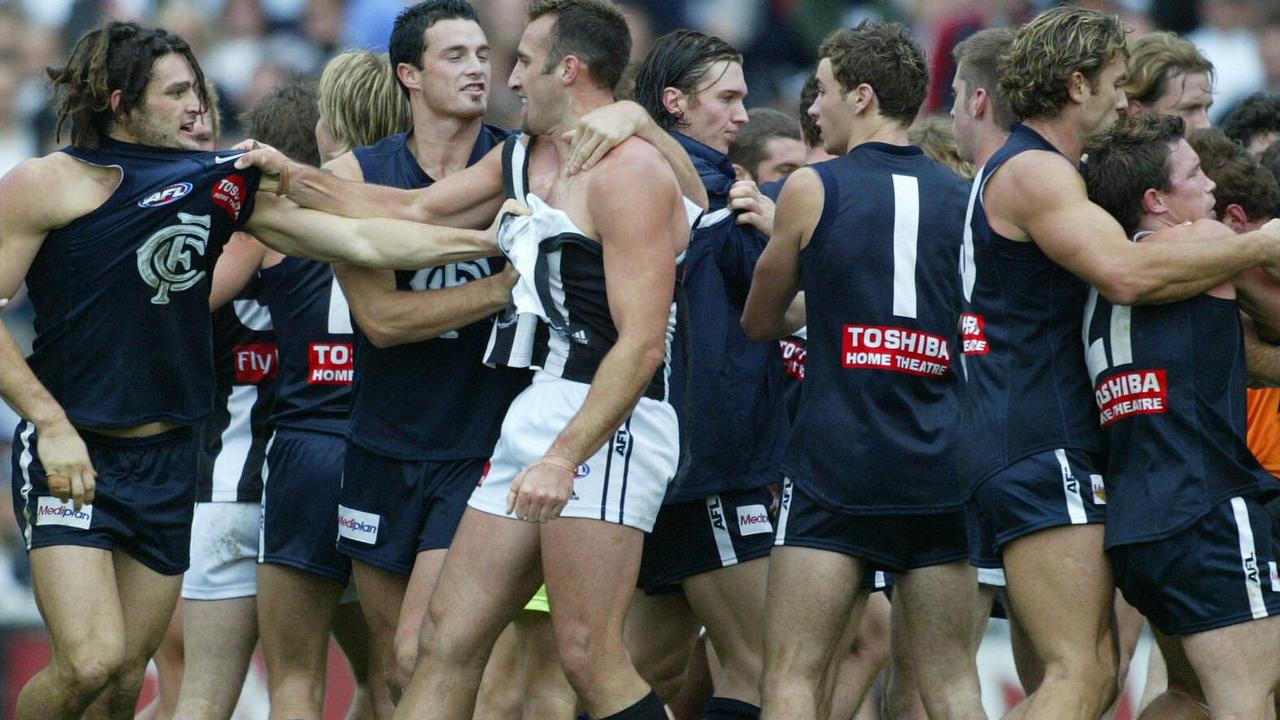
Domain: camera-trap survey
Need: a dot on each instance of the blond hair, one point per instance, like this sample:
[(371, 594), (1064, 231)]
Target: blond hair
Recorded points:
[(1035, 74), (360, 100), (1150, 60), (936, 136)]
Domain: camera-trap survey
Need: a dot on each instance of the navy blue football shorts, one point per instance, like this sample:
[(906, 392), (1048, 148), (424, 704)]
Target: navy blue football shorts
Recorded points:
[(301, 480), (143, 501), (1220, 571), (1046, 490), (391, 510), (890, 542), (699, 536)]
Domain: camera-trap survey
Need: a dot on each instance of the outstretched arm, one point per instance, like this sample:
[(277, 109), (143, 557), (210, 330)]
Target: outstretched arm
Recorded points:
[(373, 242), (640, 233), (777, 276)]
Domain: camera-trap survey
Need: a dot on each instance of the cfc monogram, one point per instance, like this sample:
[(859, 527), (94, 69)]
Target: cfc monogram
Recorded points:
[(165, 261)]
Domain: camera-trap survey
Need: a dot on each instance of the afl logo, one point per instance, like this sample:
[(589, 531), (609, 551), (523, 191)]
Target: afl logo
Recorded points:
[(173, 193), (164, 260)]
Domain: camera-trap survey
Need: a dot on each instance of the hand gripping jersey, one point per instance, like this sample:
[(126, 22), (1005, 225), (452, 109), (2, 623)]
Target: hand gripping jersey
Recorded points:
[(558, 321), (233, 439), (429, 400), (719, 378), (121, 295), (313, 328), (1169, 382), (876, 425), (1026, 388)]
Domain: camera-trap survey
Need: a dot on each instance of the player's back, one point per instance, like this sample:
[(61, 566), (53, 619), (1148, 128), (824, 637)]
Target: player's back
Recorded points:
[(122, 294), (875, 428), (1026, 388)]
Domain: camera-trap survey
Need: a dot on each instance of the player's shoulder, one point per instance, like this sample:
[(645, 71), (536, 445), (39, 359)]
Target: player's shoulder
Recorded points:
[(52, 188), (631, 159), (1035, 180), (346, 166)]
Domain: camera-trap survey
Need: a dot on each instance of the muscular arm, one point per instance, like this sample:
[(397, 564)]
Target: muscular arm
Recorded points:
[(767, 314), (388, 316), (373, 242), (1262, 359), (1041, 196), (240, 259), (31, 204), (640, 233)]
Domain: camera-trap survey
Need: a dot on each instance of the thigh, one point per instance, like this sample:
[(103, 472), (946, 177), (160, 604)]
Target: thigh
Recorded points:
[(422, 583), (937, 609), (219, 636), (730, 602), (75, 589), (1064, 605), (810, 597), (1238, 665), (147, 599), (660, 633), (590, 569)]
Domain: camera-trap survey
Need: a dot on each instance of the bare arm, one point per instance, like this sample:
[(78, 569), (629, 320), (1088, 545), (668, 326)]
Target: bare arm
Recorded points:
[(1262, 359), (466, 199), (388, 316), (767, 315), (373, 242), (640, 233), (1041, 196), (31, 204), (240, 259), (602, 129)]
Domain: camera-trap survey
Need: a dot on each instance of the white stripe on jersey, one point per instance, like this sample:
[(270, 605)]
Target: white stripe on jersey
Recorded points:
[(906, 230), (252, 315), (24, 466), (237, 444), (784, 510), (1071, 490), (262, 524), (720, 531), (1249, 559), (339, 310)]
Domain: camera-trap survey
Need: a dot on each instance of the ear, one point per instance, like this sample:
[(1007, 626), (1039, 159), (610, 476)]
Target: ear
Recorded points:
[(1077, 86), (408, 75), (674, 101), (1235, 218), (1134, 109), (981, 103), (1152, 203), (117, 97), (862, 97), (570, 68), (740, 173)]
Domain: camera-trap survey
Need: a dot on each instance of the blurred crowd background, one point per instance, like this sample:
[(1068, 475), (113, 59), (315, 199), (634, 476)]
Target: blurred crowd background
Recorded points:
[(250, 47)]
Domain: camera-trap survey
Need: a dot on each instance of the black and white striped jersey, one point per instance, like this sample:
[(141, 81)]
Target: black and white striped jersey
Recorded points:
[(558, 320)]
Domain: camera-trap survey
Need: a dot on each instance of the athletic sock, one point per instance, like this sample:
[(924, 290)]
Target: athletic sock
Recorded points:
[(729, 709), (649, 708)]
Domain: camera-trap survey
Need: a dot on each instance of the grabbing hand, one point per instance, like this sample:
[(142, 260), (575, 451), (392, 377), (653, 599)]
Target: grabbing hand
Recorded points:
[(509, 207), (755, 208), (66, 463), (600, 131), (273, 164), (540, 492)]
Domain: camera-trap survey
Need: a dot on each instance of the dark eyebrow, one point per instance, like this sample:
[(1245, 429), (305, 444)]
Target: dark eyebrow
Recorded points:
[(178, 86)]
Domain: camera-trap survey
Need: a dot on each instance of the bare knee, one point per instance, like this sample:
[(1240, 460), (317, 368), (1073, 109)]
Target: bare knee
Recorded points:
[(1095, 681), (405, 660), (87, 669), (585, 654)]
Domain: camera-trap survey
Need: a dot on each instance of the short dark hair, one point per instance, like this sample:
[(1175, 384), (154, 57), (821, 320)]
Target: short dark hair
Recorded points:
[(977, 64), (1270, 161), (680, 60), (884, 56), (115, 56), (1256, 115), (1240, 179), (286, 119), (808, 126), (1036, 72), (1127, 160), (409, 35), (594, 31), (763, 125)]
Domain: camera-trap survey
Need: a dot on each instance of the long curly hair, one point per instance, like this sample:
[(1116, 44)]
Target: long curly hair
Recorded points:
[(1036, 72), (116, 56)]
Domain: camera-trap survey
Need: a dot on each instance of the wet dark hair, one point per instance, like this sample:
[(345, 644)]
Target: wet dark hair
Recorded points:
[(286, 119), (1127, 160), (116, 56), (679, 60), (409, 36), (1256, 115)]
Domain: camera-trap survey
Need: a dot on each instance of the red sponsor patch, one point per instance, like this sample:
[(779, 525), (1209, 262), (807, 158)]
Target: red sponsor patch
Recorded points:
[(904, 350), (793, 356), (1140, 392), (256, 362), (229, 194), (973, 331), (330, 364), (487, 465)]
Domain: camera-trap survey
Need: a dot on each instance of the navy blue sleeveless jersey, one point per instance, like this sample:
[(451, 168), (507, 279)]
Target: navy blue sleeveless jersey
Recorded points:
[(233, 439), (1169, 383), (719, 380), (875, 431), (1026, 387), (121, 295), (313, 329), (429, 400)]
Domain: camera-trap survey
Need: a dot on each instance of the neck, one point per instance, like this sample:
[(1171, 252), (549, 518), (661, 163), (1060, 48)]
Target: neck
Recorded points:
[(1154, 222), (880, 129), (1062, 132), (442, 143), (988, 144), (580, 103)]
